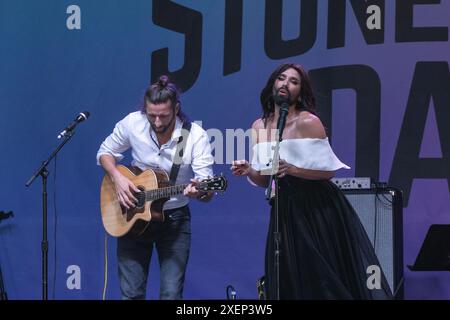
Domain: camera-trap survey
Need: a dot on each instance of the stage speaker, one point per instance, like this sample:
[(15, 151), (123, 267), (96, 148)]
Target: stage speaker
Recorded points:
[(380, 211)]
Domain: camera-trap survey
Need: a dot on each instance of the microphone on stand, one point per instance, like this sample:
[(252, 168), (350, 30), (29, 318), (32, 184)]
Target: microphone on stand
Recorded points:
[(283, 102), (80, 118)]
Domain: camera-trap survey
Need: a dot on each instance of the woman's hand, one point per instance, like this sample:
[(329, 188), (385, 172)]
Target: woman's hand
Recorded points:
[(285, 168), (240, 168)]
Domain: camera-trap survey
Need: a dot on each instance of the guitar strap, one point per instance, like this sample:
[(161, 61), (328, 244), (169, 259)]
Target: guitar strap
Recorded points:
[(178, 157)]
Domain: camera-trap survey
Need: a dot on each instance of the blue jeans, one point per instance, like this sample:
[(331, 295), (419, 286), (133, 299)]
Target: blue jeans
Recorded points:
[(172, 240)]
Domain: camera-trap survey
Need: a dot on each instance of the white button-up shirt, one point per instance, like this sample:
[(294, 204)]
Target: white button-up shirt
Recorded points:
[(134, 132)]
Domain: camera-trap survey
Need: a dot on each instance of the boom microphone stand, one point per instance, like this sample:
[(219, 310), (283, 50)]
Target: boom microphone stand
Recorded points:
[(67, 134), (43, 172), (273, 179)]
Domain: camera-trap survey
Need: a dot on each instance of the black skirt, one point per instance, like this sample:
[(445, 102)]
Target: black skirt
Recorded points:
[(324, 249)]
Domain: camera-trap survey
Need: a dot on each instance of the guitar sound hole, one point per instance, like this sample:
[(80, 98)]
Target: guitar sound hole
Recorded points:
[(140, 196)]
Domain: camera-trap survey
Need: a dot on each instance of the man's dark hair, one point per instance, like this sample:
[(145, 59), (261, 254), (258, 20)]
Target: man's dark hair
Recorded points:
[(162, 91)]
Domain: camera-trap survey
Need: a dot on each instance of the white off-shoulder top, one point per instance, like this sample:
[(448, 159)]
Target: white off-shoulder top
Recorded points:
[(306, 153)]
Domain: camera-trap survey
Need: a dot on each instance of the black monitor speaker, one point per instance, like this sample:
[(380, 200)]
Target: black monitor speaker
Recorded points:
[(380, 211)]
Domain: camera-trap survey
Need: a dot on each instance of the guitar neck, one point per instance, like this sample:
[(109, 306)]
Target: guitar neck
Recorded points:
[(155, 194)]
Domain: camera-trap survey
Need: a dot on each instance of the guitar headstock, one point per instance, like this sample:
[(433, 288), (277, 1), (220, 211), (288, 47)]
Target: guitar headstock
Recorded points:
[(217, 183)]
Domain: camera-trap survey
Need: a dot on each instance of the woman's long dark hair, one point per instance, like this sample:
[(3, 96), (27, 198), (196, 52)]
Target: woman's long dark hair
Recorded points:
[(306, 101), (162, 91)]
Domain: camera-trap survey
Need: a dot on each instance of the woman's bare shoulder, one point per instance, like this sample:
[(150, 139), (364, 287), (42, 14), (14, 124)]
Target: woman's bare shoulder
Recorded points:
[(258, 124), (310, 126)]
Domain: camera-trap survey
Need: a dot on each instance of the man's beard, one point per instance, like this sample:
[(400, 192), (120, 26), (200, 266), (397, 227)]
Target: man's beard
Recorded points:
[(278, 99), (162, 129)]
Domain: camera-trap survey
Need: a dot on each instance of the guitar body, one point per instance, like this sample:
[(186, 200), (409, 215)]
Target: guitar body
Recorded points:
[(118, 220)]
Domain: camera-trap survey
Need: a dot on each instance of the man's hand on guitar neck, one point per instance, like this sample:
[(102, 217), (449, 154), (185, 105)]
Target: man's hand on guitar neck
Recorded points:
[(192, 192)]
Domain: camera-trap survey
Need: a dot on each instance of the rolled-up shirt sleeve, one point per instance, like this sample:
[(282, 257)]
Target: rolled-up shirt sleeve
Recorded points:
[(202, 159), (116, 143)]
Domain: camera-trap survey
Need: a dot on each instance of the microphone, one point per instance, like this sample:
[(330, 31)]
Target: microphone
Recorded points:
[(283, 102), (80, 118)]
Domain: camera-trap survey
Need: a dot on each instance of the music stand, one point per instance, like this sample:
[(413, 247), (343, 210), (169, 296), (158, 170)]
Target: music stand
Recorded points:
[(434, 255)]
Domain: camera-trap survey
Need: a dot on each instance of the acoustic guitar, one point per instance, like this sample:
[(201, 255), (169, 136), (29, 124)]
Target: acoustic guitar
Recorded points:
[(155, 191)]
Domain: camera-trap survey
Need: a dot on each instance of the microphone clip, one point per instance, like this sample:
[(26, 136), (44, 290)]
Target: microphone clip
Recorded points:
[(65, 133)]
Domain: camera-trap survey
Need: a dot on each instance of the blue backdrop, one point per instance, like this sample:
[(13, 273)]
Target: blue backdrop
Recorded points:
[(381, 75)]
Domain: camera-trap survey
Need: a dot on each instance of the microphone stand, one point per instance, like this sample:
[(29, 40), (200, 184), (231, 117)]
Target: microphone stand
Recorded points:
[(3, 295), (273, 179), (43, 172)]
